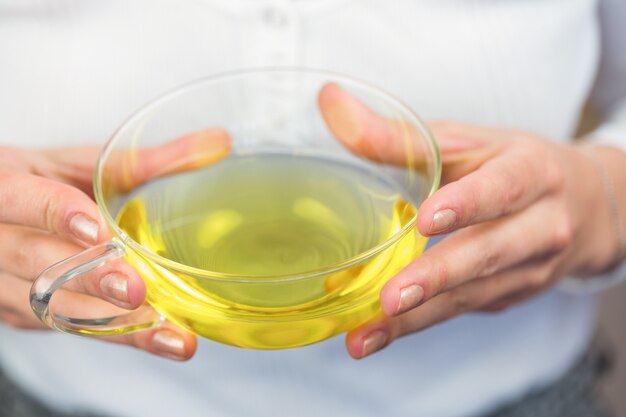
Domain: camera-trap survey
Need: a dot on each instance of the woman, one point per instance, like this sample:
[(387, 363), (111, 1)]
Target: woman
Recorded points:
[(529, 208)]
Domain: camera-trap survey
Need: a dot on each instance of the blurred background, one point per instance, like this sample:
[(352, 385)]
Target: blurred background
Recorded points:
[(613, 332)]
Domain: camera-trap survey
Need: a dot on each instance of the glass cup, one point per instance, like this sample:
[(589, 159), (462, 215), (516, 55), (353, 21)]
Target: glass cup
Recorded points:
[(244, 117)]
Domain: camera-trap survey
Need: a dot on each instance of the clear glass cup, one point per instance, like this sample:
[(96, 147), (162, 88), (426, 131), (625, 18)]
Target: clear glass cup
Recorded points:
[(261, 112)]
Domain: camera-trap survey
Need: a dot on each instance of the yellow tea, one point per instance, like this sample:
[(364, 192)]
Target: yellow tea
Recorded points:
[(271, 232)]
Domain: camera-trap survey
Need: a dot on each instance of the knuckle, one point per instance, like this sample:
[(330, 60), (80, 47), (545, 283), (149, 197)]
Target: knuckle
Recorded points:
[(139, 340), (470, 195), (53, 205), (553, 176), (459, 303), (22, 252), (511, 183), (49, 212), (473, 203), (497, 306), (25, 256), (550, 171), (513, 191), (404, 324), (562, 235), (489, 264), (537, 280), (440, 278)]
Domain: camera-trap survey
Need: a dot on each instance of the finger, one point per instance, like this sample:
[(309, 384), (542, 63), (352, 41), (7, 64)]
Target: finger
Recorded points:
[(42, 203), (463, 136), (18, 321), (35, 201), (124, 170), (26, 252), (506, 302), (14, 305), (166, 340), (70, 165), (359, 128), (477, 252), (14, 298), (465, 147), (14, 159), (366, 133), (39, 202), (128, 168), (475, 295), (542, 276), (500, 186)]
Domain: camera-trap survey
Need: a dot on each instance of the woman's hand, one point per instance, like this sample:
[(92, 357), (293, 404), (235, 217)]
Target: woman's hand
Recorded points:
[(522, 212), (47, 214)]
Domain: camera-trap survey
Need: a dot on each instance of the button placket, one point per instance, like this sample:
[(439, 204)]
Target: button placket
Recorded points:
[(272, 41), (280, 23)]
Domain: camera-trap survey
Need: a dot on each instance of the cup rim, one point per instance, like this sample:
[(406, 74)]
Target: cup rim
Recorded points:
[(216, 77)]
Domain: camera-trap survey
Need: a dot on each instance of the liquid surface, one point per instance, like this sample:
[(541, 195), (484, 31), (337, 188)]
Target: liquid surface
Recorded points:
[(263, 215), (266, 215)]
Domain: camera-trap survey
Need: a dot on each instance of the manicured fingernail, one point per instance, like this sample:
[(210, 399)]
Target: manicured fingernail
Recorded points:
[(442, 220), (410, 297), (84, 228), (115, 286), (169, 344), (374, 342)]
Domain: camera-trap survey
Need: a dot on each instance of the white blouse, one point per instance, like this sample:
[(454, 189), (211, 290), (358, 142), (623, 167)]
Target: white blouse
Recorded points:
[(72, 70)]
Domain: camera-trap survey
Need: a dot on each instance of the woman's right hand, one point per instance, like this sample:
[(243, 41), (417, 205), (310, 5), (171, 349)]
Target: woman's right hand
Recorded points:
[(47, 214)]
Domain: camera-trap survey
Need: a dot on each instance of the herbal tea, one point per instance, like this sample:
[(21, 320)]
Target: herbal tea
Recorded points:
[(253, 219)]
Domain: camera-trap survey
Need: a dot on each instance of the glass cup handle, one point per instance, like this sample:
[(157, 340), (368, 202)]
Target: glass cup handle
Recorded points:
[(59, 274)]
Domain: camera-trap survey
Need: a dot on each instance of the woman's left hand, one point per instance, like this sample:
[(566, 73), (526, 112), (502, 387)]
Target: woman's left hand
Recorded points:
[(523, 211)]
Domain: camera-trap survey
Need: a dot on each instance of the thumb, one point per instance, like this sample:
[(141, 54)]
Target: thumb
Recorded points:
[(360, 129), (463, 147), (72, 165), (128, 168)]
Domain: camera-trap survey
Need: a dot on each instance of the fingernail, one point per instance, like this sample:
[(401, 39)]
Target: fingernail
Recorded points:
[(115, 286), (374, 342), (442, 220), (410, 297), (84, 228), (169, 344)]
